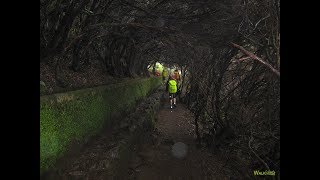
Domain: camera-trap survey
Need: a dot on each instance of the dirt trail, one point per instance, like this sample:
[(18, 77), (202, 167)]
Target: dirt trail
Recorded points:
[(153, 160)]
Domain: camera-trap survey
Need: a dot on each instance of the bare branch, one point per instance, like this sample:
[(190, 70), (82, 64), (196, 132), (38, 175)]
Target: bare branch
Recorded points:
[(251, 55), (260, 21)]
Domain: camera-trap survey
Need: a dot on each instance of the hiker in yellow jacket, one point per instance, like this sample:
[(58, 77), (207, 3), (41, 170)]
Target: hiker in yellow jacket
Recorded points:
[(164, 74), (172, 88)]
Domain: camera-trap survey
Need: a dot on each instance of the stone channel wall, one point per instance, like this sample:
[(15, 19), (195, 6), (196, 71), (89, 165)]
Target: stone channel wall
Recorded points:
[(72, 118)]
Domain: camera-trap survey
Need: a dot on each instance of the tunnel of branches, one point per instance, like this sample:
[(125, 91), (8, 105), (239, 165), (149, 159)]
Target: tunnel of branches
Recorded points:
[(227, 51)]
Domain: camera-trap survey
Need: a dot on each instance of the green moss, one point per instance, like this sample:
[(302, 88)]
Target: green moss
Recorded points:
[(74, 116)]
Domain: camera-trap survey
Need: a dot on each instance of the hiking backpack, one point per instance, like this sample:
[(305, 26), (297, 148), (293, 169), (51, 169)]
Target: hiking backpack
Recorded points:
[(172, 86)]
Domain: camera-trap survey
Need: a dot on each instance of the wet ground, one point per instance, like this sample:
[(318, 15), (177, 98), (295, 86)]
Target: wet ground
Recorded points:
[(154, 160), (152, 157)]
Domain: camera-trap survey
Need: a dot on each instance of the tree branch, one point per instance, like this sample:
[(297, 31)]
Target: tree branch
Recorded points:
[(251, 55)]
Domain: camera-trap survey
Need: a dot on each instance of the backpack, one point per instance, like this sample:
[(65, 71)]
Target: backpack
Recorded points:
[(177, 76), (164, 73), (172, 86)]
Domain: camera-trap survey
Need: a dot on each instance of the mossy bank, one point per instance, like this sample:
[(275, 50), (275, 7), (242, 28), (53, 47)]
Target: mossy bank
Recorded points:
[(73, 117)]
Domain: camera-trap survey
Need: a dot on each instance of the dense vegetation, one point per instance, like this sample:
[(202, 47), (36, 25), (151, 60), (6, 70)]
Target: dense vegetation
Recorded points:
[(229, 50)]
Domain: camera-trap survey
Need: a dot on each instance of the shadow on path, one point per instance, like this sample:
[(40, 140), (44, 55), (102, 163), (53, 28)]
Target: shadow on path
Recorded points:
[(154, 160)]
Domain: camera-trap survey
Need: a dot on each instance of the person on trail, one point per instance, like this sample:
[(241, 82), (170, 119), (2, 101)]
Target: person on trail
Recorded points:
[(164, 74), (177, 77), (172, 89), (157, 73)]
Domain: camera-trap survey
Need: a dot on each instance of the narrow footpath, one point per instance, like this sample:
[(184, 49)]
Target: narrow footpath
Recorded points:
[(154, 158)]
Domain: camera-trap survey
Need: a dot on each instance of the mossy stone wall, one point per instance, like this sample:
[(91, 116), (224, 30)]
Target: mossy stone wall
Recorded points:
[(74, 116)]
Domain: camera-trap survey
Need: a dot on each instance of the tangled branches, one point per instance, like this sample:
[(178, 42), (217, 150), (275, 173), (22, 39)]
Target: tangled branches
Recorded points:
[(235, 100)]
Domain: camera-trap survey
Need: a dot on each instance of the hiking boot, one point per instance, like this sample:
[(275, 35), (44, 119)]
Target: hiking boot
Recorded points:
[(174, 105)]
